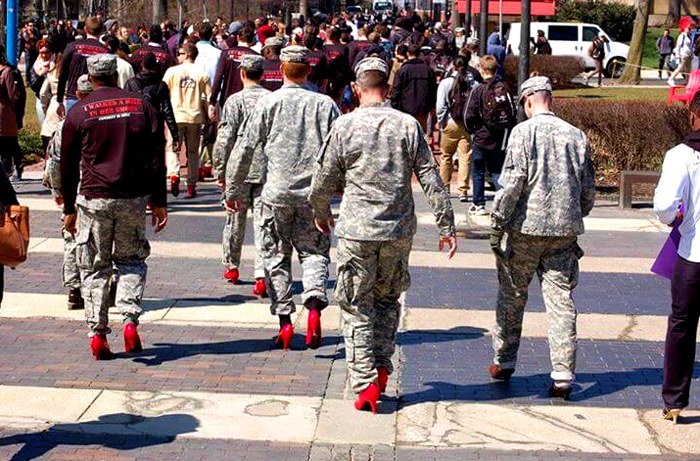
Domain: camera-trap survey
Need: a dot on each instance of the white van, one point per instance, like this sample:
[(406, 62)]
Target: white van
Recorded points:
[(573, 39)]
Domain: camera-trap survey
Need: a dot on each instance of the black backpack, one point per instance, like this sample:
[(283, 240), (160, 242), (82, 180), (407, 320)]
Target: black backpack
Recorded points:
[(498, 111), (458, 101)]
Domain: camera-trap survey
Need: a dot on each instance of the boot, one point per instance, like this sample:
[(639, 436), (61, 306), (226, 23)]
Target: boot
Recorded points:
[(75, 300)]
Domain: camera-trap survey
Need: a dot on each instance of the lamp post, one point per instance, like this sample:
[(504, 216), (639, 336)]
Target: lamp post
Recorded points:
[(12, 32), (483, 26)]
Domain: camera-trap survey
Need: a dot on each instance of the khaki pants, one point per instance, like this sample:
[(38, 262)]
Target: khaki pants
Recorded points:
[(455, 138), (190, 133)]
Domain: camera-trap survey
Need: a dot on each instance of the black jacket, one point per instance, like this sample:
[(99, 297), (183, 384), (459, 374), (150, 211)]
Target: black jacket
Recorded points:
[(483, 137), (415, 88), (156, 91)]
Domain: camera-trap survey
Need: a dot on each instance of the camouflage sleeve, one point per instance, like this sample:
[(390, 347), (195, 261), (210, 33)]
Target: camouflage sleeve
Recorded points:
[(587, 184), (512, 180), (426, 170), (225, 139), (52, 171), (329, 176), (239, 165)]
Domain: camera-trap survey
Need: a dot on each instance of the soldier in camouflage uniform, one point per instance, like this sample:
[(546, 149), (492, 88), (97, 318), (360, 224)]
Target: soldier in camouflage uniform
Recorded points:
[(52, 180), (542, 215), (235, 113), (288, 126), (371, 155), (113, 146)]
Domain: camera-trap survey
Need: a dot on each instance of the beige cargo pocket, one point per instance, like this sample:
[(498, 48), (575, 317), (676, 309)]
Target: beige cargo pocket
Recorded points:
[(85, 247)]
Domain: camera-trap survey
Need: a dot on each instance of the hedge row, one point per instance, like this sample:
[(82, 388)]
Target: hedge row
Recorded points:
[(560, 69)]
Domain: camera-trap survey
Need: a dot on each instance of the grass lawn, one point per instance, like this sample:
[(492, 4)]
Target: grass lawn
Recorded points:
[(651, 56), (30, 121), (615, 94)]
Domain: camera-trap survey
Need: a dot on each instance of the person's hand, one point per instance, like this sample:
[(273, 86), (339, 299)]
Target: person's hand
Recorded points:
[(159, 218), (69, 223), (325, 225), (61, 110), (495, 240), (221, 183), (450, 241), (58, 200), (212, 114), (233, 206)]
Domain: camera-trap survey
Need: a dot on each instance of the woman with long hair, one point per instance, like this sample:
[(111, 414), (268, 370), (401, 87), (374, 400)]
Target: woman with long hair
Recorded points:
[(44, 64), (47, 96), (9, 128)]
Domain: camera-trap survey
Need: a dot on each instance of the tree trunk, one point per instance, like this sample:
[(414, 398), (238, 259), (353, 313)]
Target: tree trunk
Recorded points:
[(632, 72), (456, 17), (674, 13)]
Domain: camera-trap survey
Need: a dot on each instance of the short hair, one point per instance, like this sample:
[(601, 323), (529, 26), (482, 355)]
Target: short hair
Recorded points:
[(94, 26), (149, 61), (205, 31), (309, 41), (247, 34), (112, 44), (402, 50), (334, 34), (295, 70), (254, 74), (413, 49), (489, 64), (694, 105), (155, 34), (372, 80), (190, 50)]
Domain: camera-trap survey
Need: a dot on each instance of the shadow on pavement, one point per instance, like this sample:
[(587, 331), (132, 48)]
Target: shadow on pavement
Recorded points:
[(119, 431), (588, 386)]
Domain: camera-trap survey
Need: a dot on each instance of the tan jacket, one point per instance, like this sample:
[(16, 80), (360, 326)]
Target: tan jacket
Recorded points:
[(190, 90), (9, 94)]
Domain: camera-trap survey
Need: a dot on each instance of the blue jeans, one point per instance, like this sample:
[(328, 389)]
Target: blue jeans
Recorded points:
[(483, 159)]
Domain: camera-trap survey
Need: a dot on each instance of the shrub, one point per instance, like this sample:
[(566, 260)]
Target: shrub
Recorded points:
[(615, 18), (626, 135), (560, 69), (31, 146)]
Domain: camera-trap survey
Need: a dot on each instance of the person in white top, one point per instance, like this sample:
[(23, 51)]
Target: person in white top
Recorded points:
[(680, 185), (683, 52), (207, 60)]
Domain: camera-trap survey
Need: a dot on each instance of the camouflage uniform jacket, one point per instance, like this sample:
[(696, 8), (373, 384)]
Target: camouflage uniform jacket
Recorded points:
[(52, 171), (233, 120), (548, 179), (289, 125), (371, 154)]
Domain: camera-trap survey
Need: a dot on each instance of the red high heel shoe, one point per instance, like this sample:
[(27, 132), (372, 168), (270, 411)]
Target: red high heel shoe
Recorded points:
[(260, 288), (232, 275), (368, 397), (383, 379), (314, 339), (132, 341), (284, 338), (100, 348)]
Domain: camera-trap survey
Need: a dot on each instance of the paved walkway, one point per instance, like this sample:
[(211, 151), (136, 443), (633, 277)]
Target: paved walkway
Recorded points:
[(209, 386)]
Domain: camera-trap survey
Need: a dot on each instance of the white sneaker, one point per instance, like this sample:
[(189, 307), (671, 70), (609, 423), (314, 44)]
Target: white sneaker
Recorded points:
[(585, 81), (478, 210), (671, 82)]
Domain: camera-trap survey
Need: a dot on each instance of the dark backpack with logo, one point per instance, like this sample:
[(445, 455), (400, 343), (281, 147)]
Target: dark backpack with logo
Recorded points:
[(498, 110), (459, 96)]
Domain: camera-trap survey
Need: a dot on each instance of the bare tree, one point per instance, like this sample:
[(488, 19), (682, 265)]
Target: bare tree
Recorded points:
[(632, 72)]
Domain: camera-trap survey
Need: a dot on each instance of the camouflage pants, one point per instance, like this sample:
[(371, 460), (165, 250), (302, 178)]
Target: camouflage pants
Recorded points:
[(555, 260), (71, 273), (111, 232), (234, 232), (283, 229), (371, 278)]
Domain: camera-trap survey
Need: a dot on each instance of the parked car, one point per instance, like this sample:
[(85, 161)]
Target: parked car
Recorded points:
[(354, 9), (381, 6), (574, 39)]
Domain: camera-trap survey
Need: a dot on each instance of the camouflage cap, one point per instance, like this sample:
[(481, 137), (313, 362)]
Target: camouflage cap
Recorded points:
[(295, 53), (274, 41), (533, 85), (372, 63), (84, 85), (251, 62), (102, 65)]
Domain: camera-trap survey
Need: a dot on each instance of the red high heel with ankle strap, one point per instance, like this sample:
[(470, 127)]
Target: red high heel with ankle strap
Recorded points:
[(100, 348), (284, 339), (368, 397), (260, 288), (232, 275), (132, 341), (314, 339), (383, 378)]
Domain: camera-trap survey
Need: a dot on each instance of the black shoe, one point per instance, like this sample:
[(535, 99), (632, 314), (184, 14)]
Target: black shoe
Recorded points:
[(560, 392), (75, 301), (501, 374), (464, 198)]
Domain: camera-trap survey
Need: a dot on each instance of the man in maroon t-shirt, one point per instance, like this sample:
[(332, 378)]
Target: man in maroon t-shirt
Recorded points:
[(272, 75), (163, 58), (339, 71)]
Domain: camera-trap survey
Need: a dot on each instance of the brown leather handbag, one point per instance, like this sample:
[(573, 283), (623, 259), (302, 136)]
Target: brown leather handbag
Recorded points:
[(14, 234)]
